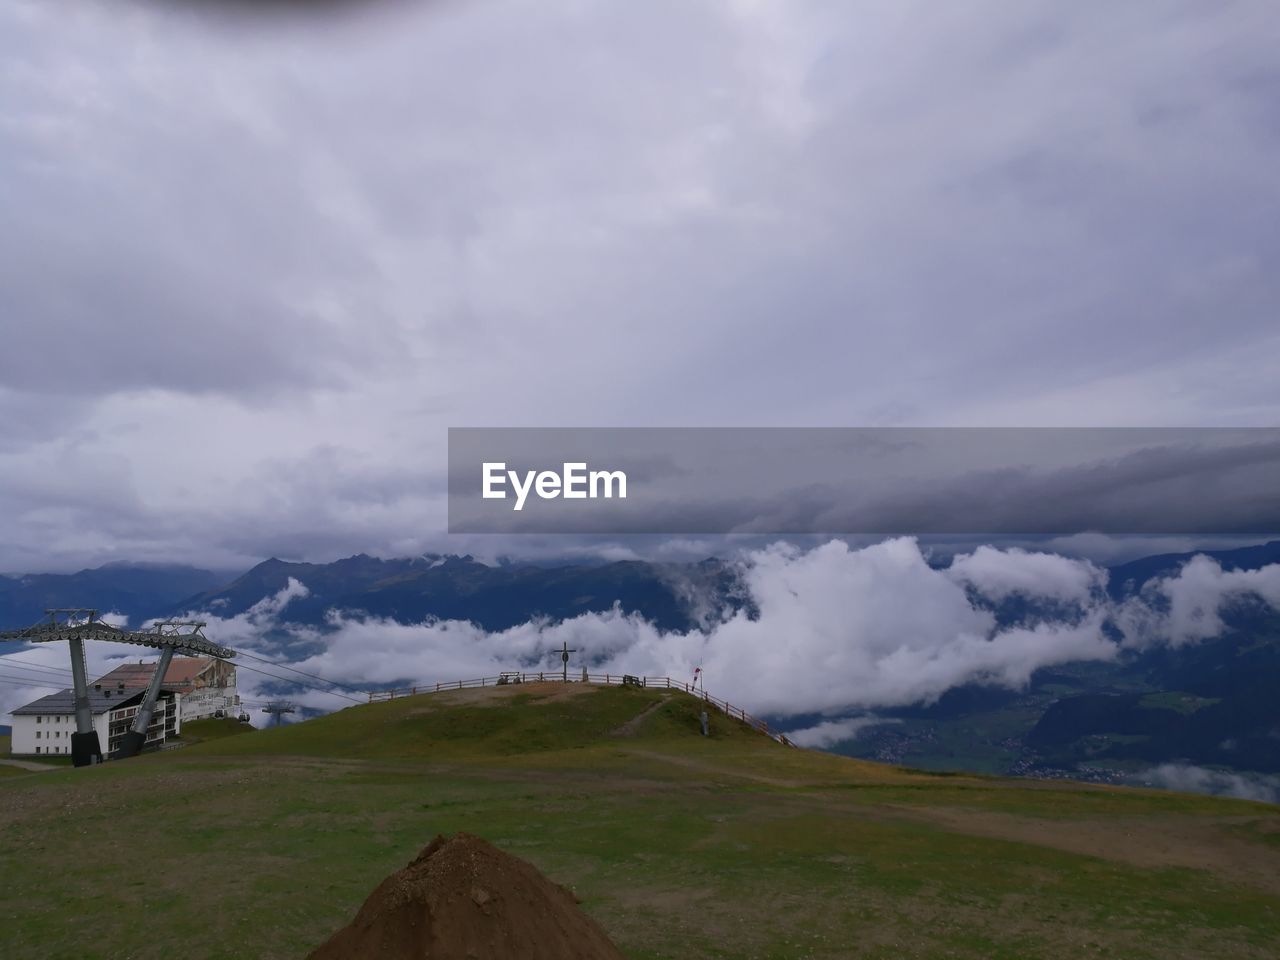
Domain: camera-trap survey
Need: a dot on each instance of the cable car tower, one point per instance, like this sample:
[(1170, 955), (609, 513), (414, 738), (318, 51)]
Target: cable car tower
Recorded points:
[(278, 708), (76, 625)]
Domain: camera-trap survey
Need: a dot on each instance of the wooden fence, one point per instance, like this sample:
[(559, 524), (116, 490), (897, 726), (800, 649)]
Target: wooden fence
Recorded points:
[(611, 679)]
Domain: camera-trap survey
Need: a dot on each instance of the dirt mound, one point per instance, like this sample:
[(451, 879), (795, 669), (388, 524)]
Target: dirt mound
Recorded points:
[(464, 899)]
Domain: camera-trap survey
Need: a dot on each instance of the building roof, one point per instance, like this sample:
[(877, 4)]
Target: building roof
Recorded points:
[(181, 674), (64, 701), (186, 669)]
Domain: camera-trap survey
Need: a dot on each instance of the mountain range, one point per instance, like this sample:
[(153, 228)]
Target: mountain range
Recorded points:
[(671, 596), (141, 591)]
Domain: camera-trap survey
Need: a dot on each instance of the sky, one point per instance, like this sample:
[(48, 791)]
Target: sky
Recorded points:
[(253, 267)]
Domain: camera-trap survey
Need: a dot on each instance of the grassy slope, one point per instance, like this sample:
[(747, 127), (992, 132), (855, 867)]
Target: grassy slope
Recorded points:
[(681, 846), (195, 731)]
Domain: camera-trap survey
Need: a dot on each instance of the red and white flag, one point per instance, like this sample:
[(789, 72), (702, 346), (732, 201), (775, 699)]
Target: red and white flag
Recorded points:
[(697, 673)]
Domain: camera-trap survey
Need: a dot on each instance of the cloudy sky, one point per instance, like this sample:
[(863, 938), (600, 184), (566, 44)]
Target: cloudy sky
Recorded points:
[(251, 268)]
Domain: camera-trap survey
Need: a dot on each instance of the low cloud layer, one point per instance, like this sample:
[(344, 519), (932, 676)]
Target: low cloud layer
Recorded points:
[(830, 732), (840, 631), (1188, 608), (1191, 779)]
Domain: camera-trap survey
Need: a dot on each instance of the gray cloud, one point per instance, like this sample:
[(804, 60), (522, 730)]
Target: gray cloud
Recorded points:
[(229, 244)]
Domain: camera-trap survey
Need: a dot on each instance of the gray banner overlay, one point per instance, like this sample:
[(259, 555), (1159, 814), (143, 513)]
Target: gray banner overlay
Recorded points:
[(893, 480)]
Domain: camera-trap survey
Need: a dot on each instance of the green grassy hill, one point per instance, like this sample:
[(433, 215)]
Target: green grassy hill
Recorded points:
[(680, 846)]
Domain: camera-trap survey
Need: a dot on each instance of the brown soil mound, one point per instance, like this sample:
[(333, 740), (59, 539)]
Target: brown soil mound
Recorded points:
[(464, 899)]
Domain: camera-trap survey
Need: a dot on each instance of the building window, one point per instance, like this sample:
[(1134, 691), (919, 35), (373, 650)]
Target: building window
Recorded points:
[(37, 734), (37, 748), (38, 719)]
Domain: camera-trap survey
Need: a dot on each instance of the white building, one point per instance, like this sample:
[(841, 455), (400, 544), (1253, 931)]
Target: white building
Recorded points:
[(193, 687), (44, 726), (203, 685)]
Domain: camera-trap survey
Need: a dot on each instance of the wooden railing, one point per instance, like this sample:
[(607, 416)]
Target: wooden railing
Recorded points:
[(610, 679)]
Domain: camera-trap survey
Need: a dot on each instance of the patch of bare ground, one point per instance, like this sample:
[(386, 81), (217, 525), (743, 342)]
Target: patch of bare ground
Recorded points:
[(1199, 843), (29, 765)]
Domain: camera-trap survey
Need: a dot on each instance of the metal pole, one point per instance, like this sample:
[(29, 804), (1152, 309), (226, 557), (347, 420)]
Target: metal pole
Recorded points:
[(131, 743), (85, 748)]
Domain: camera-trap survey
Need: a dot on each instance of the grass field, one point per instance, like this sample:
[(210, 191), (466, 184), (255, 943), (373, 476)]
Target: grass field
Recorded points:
[(259, 846)]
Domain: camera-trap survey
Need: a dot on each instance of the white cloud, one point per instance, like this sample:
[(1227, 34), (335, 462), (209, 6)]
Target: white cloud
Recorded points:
[(838, 629), (830, 732), (1187, 608), (1192, 779), (999, 574)]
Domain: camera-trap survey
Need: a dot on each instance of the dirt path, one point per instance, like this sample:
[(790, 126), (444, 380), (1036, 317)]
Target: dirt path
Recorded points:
[(632, 726), (1196, 843), (28, 765)]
